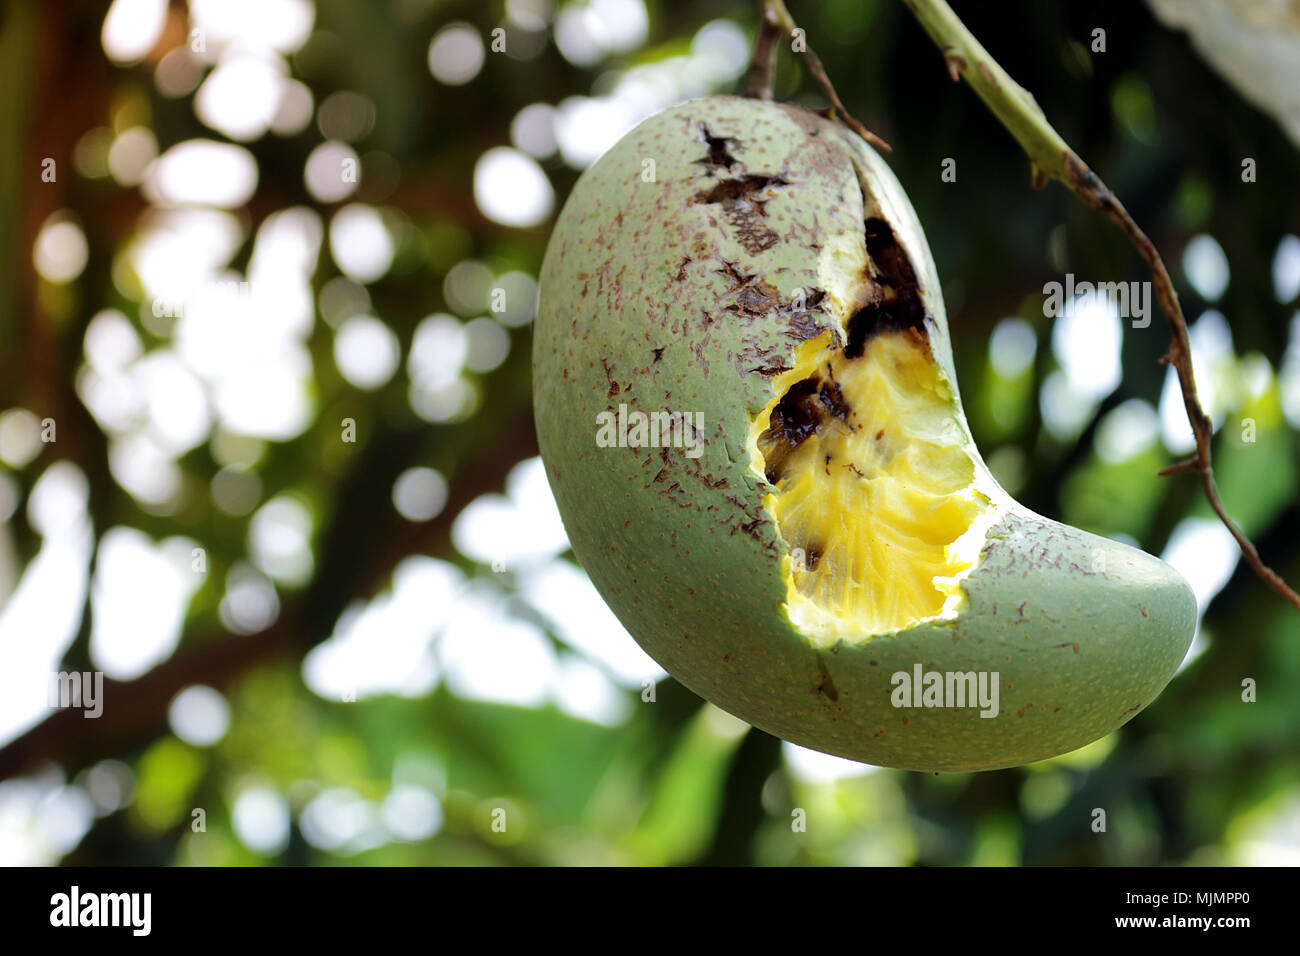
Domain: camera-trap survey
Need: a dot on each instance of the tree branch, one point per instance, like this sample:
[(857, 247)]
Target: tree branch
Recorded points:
[(761, 66), (1052, 158)]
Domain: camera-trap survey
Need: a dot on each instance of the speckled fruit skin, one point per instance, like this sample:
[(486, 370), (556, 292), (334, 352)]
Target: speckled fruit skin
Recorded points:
[(655, 297)]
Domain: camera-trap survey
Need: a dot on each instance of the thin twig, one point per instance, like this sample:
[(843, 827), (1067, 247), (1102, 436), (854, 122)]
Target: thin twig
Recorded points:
[(776, 18), (1052, 158), (762, 67)]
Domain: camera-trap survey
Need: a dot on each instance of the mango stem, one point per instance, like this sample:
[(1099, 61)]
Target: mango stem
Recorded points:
[(1052, 158)]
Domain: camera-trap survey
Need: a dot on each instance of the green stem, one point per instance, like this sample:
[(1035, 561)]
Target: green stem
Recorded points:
[(1052, 158), (776, 20), (1011, 103)]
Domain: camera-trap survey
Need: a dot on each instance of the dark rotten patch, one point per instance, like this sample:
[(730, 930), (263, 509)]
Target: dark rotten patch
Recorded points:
[(719, 155), (743, 208), (896, 303), (804, 409)]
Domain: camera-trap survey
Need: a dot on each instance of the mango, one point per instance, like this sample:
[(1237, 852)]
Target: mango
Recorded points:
[(746, 403)]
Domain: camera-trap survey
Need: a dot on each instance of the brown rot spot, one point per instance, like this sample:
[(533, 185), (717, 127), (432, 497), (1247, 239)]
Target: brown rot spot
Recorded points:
[(738, 279), (881, 434), (804, 326), (872, 320), (771, 371), (805, 311), (681, 268), (754, 299), (888, 257), (796, 417), (743, 208), (609, 377), (719, 153), (743, 189), (832, 399), (895, 302), (658, 353), (804, 409)]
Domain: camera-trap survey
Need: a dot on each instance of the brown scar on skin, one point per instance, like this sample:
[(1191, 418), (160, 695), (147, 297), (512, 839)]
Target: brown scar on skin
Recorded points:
[(743, 209), (812, 299), (733, 274), (739, 190), (750, 298), (754, 300), (718, 153), (803, 327), (826, 685), (614, 388)]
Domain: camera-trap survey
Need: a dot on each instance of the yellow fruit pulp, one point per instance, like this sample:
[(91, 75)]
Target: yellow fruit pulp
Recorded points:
[(876, 491)]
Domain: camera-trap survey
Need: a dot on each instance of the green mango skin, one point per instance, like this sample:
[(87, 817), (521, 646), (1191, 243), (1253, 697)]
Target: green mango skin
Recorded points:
[(656, 298)]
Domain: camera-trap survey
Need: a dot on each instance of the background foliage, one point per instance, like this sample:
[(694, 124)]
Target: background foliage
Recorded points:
[(196, 525)]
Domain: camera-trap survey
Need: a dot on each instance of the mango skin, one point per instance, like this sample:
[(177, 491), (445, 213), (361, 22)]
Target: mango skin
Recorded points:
[(654, 298)]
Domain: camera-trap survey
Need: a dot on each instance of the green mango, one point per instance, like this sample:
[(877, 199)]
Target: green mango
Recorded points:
[(706, 265)]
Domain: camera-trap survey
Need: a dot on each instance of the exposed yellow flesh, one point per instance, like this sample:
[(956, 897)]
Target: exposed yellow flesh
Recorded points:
[(877, 502)]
